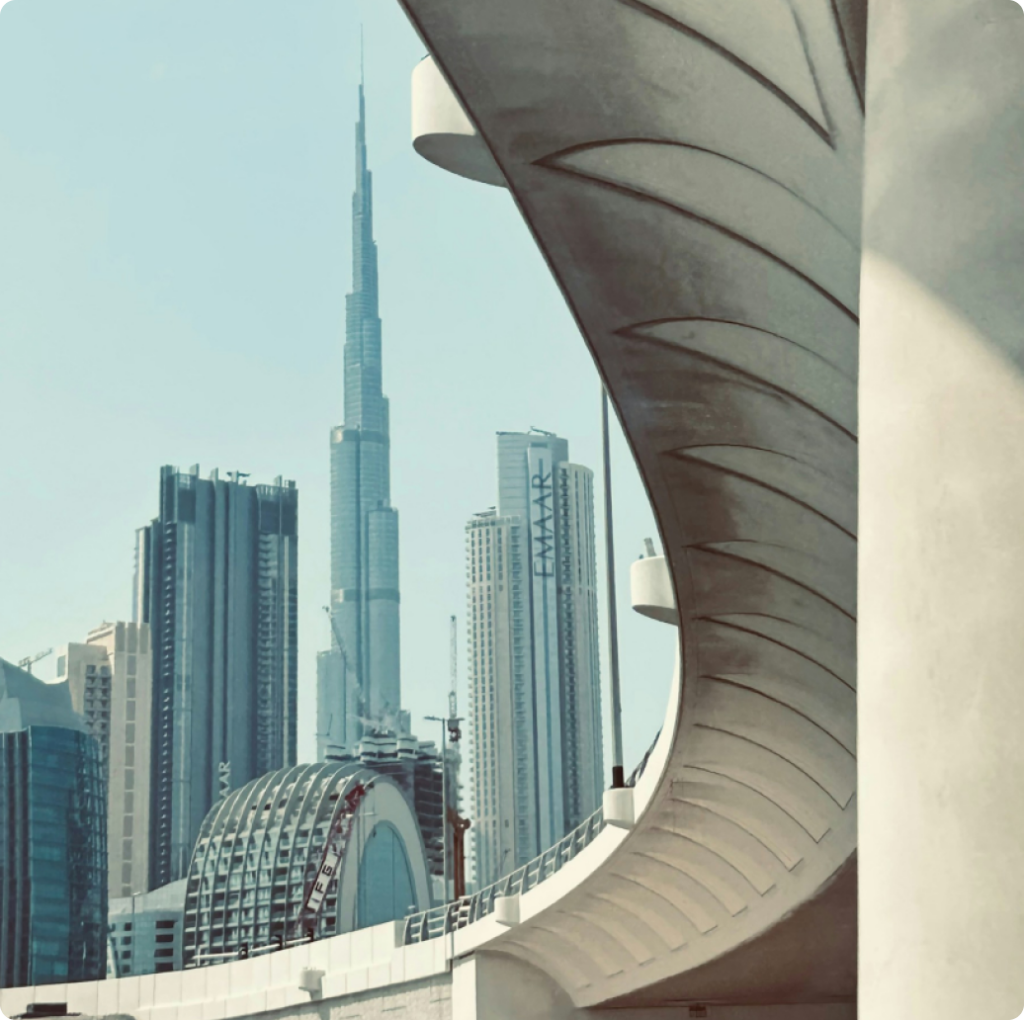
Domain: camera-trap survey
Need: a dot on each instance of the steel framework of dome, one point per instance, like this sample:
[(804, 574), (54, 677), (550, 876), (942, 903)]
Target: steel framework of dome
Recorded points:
[(261, 850)]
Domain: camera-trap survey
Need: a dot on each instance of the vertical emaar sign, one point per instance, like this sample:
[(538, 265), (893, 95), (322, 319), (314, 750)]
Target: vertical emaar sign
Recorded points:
[(546, 658), (543, 531)]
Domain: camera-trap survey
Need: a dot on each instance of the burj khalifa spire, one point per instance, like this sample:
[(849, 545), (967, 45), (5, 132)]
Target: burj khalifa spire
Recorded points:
[(359, 679)]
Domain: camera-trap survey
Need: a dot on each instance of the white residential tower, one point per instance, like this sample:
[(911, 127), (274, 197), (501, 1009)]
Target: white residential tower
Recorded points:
[(534, 675)]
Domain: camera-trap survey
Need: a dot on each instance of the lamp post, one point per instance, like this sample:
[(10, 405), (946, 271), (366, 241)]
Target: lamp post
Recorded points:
[(618, 772), (444, 817)]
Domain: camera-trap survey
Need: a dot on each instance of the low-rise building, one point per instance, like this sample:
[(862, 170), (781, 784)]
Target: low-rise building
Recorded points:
[(144, 932)]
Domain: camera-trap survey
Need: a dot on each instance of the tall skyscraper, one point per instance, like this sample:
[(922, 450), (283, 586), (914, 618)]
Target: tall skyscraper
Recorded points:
[(53, 837), (364, 682), (534, 675), (110, 677), (217, 582)]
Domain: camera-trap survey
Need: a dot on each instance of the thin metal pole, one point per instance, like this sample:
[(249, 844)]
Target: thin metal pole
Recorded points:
[(444, 808), (618, 772), (444, 831)]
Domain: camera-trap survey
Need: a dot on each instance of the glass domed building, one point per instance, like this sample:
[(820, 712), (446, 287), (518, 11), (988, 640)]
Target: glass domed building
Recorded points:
[(304, 852)]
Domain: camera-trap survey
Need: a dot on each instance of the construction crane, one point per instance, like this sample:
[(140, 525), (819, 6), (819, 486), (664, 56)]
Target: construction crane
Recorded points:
[(31, 660), (458, 824), (337, 637), (344, 662)]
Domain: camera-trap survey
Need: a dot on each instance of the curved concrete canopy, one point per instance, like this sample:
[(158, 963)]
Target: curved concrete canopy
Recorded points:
[(692, 174)]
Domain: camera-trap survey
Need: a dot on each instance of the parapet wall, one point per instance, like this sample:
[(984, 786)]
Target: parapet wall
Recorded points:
[(366, 961)]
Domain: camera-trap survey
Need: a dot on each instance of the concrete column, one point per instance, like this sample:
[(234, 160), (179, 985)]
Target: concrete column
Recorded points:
[(489, 986), (941, 643)]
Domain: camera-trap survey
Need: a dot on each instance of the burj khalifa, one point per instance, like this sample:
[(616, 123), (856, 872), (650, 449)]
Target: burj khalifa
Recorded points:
[(359, 684)]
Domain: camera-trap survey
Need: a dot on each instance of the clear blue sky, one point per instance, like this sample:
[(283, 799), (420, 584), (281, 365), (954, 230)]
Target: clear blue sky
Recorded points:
[(175, 185)]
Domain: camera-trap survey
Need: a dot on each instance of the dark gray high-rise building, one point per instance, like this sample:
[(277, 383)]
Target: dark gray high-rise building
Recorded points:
[(363, 682), (217, 582), (53, 837)]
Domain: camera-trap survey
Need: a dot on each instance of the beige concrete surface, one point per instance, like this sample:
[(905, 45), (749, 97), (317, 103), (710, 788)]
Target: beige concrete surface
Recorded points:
[(941, 640)]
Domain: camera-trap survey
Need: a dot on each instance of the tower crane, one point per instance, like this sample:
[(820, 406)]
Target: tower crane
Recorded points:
[(28, 662), (337, 637), (458, 824), (344, 660)]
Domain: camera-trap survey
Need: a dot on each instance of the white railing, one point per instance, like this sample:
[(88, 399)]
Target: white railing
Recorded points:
[(431, 924)]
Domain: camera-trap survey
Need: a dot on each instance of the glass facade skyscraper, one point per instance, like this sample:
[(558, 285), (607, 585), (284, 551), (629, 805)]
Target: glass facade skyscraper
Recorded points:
[(534, 672), (362, 680), (53, 837), (217, 582)]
